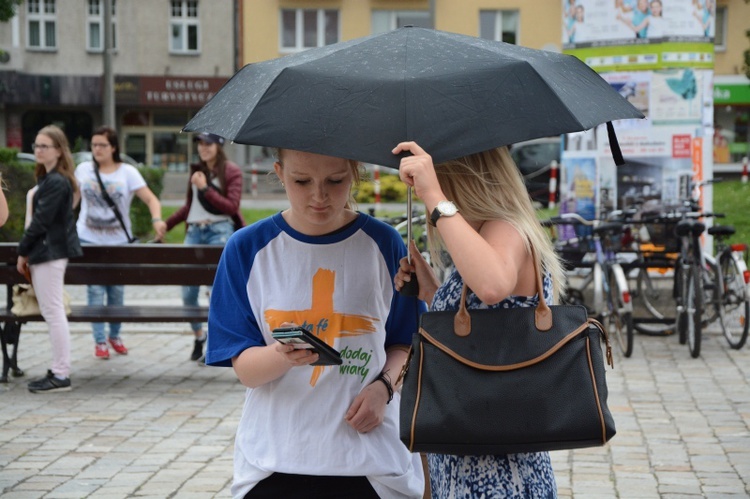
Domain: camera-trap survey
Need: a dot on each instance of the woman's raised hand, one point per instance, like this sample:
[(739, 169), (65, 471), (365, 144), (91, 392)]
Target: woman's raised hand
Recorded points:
[(428, 282)]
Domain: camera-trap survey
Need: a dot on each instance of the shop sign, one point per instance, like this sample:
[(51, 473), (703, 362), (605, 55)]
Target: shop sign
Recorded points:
[(166, 91), (731, 94)]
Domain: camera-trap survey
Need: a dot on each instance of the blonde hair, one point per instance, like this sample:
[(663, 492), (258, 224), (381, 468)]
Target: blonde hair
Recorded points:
[(65, 164), (489, 186)]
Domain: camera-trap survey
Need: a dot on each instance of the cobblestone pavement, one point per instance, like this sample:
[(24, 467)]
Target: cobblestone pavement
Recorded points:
[(153, 424)]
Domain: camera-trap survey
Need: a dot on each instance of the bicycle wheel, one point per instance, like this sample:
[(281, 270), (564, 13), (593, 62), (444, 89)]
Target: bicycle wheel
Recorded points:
[(681, 296), (694, 311), (620, 313), (658, 302), (711, 291), (734, 303)]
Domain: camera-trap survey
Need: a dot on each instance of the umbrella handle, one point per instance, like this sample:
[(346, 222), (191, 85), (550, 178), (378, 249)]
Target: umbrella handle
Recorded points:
[(410, 288)]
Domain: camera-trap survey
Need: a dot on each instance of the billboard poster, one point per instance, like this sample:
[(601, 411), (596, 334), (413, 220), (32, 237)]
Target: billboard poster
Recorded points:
[(663, 152), (619, 35)]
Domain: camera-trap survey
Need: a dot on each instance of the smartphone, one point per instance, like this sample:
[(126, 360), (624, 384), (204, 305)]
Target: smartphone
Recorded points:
[(302, 338)]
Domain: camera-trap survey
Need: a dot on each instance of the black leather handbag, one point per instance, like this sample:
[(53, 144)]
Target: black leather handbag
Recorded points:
[(506, 381)]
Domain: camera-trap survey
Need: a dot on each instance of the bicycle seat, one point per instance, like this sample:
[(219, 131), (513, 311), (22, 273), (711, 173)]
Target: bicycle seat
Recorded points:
[(721, 230), (689, 228)]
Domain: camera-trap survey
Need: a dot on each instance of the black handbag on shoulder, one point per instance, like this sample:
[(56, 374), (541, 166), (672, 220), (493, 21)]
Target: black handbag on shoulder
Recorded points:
[(506, 381)]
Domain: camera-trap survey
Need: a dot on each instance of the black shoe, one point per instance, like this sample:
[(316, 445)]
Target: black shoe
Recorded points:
[(50, 384), (198, 349)]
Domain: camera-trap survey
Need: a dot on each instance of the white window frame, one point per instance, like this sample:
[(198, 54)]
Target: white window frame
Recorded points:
[(299, 29), (392, 19), (41, 12), (499, 14), (721, 45), (184, 22), (97, 18)]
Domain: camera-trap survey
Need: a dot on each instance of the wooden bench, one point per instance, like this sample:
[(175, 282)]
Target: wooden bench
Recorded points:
[(134, 264)]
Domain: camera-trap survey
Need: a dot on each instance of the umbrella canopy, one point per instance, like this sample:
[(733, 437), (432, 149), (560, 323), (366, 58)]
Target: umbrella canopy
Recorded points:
[(453, 94)]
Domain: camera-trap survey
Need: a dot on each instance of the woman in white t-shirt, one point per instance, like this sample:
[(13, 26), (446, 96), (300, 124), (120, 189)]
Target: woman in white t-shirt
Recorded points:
[(307, 430), (99, 224)]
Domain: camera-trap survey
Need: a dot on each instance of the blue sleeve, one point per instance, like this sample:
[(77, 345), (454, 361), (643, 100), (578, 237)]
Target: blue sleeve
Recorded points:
[(232, 325), (403, 319)]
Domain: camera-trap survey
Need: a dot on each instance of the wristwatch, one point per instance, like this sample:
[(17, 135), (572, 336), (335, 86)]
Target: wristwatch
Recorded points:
[(443, 209)]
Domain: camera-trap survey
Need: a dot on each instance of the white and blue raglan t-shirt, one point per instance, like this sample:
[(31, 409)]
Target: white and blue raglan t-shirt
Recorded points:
[(340, 287)]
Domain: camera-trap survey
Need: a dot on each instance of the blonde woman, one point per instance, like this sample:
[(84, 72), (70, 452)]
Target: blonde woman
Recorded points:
[(482, 215)]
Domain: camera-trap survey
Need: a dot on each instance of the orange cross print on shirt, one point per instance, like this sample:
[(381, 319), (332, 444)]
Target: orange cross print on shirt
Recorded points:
[(321, 319)]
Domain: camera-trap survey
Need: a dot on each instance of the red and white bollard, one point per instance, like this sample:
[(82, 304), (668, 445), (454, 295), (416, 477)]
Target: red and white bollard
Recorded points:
[(552, 183), (744, 170), (254, 183), (376, 182)]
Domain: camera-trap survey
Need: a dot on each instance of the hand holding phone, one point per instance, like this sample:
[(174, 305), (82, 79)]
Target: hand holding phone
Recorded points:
[(302, 338)]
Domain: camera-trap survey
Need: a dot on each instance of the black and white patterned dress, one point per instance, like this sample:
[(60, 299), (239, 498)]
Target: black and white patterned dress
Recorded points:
[(484, 477)]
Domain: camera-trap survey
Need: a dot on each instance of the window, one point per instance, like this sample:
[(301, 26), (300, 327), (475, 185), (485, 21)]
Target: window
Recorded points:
[(720, 39), (499, 25), (307, 28), (42, 24), (388, 20), (184, 33), (95, 26)]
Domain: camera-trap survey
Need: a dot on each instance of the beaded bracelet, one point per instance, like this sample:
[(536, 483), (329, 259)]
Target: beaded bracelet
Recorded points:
[(382, 377)]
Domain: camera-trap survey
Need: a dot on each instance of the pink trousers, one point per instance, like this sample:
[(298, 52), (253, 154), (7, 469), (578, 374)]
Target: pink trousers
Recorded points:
[(48, 280)]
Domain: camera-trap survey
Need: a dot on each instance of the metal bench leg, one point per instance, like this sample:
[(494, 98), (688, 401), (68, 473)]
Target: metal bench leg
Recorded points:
[(10, 334)]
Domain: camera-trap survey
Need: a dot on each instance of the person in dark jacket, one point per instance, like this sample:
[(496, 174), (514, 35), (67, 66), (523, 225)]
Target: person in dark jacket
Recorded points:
[(216, 183), (48, 242)]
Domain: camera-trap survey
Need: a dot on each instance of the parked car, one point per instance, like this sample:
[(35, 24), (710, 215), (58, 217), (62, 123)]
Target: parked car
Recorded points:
[(81, 156), (534, 158), (25, 157)]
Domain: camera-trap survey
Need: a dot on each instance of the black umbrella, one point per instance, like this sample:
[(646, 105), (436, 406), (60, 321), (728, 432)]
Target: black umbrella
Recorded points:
[(452, 94)]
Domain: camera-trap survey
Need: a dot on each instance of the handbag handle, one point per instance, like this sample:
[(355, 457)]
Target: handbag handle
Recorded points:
[(542, 315)]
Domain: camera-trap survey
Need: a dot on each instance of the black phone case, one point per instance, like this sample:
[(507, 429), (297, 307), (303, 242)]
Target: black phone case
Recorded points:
[(328, 356)]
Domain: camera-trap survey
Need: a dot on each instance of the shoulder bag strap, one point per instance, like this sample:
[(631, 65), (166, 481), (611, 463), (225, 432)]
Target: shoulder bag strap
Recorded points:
[(111, 203), (542, 315)]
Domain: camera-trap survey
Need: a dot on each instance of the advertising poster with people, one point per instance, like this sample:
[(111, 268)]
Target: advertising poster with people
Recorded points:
[(658, 54), (618, 35)]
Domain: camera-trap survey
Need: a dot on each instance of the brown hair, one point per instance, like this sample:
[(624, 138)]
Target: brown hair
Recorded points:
[(219, 168), (65, 164), (111, 135)]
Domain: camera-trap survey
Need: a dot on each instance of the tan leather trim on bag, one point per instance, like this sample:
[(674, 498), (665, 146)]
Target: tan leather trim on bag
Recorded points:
[(596, 392), (543, 314), (603, 332), (509, 367), (416, 402)]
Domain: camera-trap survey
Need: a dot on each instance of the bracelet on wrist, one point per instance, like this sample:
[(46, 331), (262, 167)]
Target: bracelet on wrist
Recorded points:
[(387, 382), (154, 220)]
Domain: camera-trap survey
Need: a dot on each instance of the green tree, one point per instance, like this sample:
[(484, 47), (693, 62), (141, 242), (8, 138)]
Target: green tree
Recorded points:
[(8, 9)]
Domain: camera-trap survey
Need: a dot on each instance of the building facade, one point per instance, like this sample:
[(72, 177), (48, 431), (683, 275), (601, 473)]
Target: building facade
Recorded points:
[(169, 57), (273, 28), (731, 86)]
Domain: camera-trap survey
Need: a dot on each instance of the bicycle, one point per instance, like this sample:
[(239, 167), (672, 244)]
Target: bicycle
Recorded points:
[(730, 298), (612, 301)]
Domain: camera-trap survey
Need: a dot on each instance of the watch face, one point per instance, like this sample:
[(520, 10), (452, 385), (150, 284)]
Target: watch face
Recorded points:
[(446, 208)]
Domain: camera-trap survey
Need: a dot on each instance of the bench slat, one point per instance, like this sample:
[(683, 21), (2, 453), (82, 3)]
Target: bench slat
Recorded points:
[(132, 313)]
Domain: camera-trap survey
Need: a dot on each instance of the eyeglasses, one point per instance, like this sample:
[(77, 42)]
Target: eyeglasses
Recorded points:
[(100, 145), (43, 147)]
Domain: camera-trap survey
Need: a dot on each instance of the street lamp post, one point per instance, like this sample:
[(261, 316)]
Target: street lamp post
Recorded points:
[(108, 97)]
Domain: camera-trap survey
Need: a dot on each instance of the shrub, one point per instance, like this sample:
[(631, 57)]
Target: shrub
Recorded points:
[(18, 179)]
